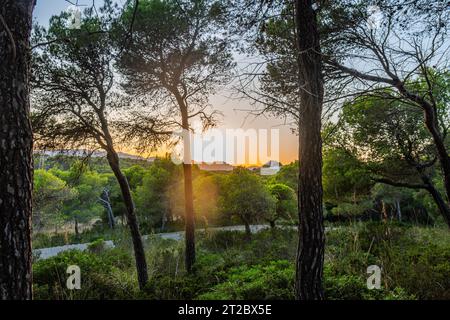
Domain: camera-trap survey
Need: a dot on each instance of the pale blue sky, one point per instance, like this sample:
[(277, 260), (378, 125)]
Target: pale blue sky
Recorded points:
[(46, 8)]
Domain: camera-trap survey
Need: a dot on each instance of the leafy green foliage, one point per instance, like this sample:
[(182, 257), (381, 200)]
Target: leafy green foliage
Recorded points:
[(285, 203), (271, 282), (244, 196), (287, 175), (206, 194), (101, 276), (151, 197), (49, 195), (89, 186), (344, 176)]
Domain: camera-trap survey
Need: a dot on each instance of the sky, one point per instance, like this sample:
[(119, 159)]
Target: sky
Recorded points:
[(224, 101)]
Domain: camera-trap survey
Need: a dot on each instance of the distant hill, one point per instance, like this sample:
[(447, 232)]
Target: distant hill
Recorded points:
[(85, 153)]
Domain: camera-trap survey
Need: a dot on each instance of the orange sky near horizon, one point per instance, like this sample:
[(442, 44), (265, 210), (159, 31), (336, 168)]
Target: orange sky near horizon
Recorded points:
[(232, 118)]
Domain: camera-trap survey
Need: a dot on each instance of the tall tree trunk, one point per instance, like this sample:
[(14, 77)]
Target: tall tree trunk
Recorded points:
[(310, 256), (248, 230), (189, 217), (139, 253), (77, 232), (384, 215), (16, 166), (431, 122), (444, 209), (443, 206), (188, 193), (399, 210), (163, 222)]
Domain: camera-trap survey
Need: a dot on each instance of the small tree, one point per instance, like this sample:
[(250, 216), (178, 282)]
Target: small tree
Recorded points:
[(206, 194), (345, 177), (49, 194), (285, 203), (151, 198), (176, 60), (390, 142), (243, 195), (88, 186)]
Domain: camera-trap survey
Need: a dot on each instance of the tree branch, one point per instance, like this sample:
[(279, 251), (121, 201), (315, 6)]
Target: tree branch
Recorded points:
[(400, 184)]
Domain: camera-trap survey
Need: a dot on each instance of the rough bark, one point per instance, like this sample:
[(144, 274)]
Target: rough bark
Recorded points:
[(310, 256), (443, 207), (189, 217), (438, 199), (188, 193), (138, 246), (16, 177)]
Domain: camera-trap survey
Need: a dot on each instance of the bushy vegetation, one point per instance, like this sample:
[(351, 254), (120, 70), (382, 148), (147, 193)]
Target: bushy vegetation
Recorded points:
[(415, 264), (363, 228), (77, 199), (102, 276)]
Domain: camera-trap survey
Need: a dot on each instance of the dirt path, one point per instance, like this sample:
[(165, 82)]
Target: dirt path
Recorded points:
[(46, 253)]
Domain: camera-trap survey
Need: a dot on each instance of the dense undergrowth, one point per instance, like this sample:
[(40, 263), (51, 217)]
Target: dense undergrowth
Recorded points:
[(415, 264)]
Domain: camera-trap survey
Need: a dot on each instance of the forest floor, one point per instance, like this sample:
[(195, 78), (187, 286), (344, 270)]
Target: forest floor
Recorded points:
[(414, 259)]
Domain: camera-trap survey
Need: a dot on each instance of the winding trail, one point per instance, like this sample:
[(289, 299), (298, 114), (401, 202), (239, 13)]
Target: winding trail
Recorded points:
[(45, 253)]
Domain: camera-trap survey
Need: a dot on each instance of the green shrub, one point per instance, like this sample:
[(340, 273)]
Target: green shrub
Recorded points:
[(265, 246), (421, 269), (172, 282), (100, 276), (260, 282), (45, 240), (163, 287), (415, 260), (354, 287), (97, 246)]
